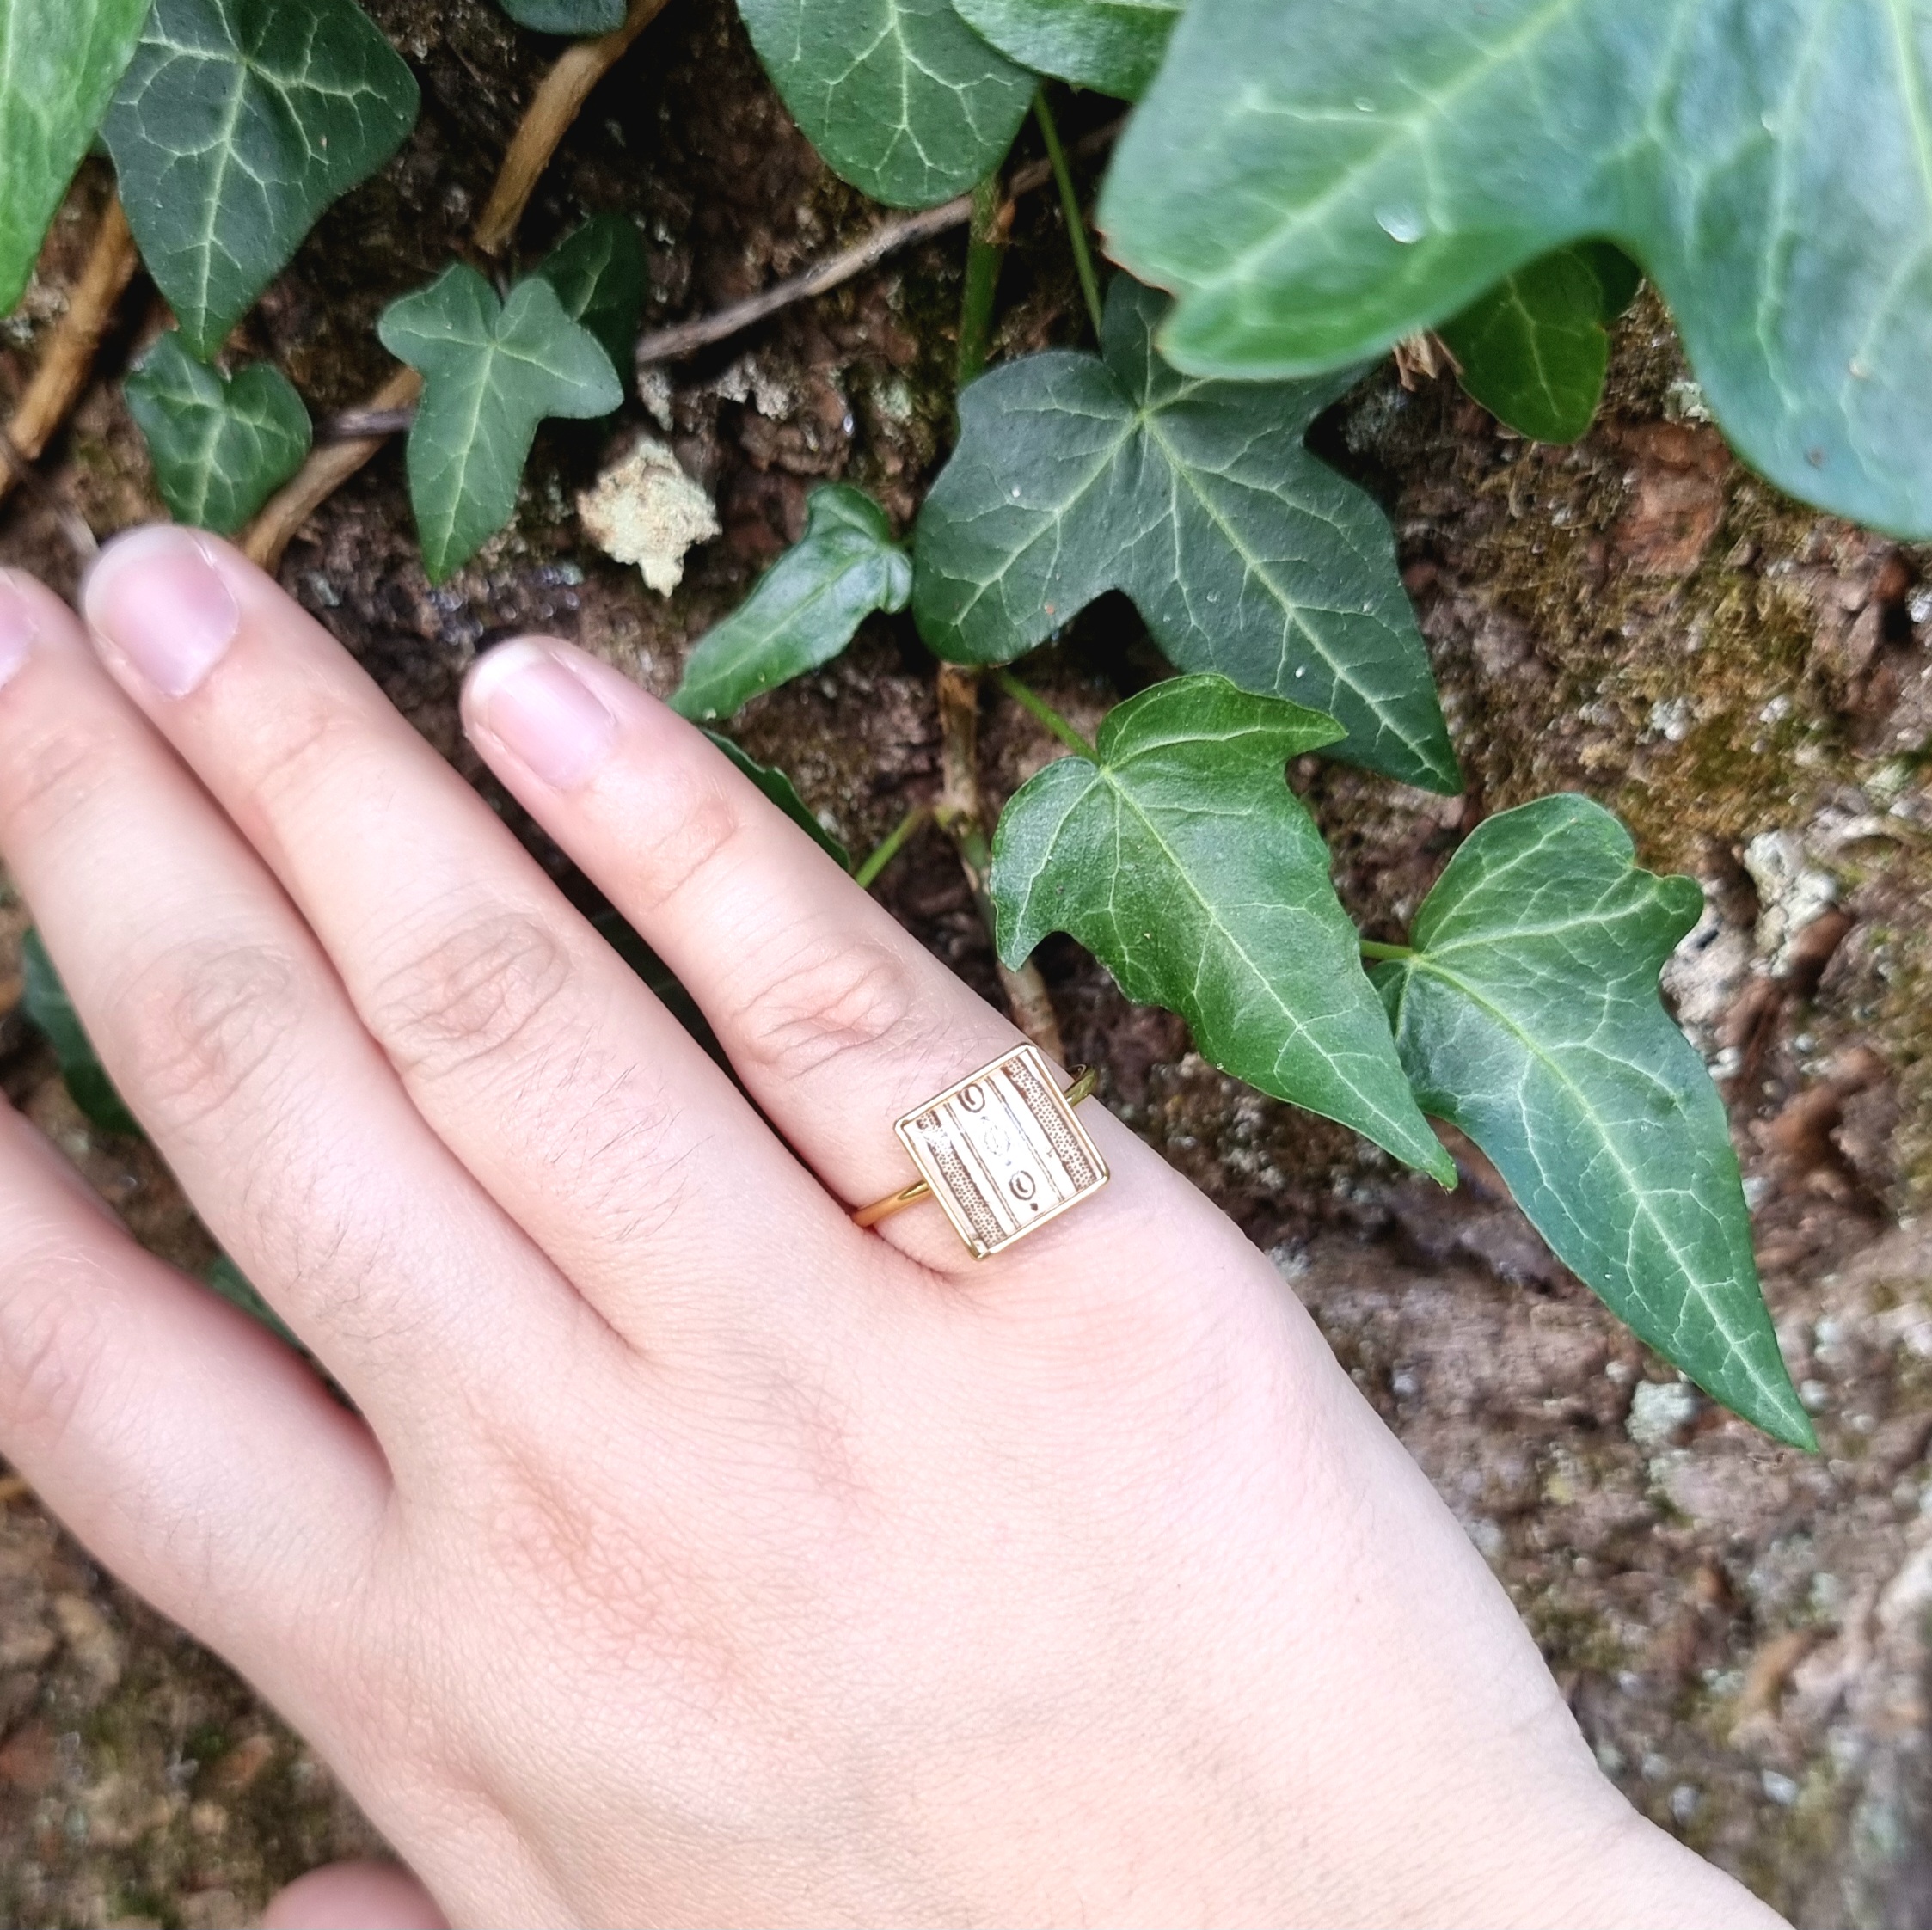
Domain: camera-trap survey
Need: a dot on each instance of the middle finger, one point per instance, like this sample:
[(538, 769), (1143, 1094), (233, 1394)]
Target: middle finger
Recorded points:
[(582, 1107)]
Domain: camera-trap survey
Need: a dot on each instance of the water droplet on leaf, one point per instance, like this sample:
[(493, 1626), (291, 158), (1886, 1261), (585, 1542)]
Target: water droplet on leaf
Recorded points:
[(1400, 225)]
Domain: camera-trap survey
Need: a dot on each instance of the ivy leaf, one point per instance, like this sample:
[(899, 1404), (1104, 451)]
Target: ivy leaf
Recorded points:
[(900, 97), (1076, 475), (804, 608), (1113, 46), (491, 371), (1529, 1015), (239, 122), (581, 19), (1179, 857), (1365, 171), (60, 61), (784, 793), (221, 445), (600, 274), (51, 1012), (234, 1286), (1534, 350)]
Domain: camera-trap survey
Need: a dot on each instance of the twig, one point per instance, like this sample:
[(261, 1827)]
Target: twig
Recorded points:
[(559, 98), (64, 368), (559, 94), (682, 337), (1069, 206), (962, 815)]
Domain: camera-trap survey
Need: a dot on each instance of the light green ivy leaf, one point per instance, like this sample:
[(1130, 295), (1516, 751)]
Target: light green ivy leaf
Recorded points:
[(900, 97), (491, 371), (1354, 173), (783, 792), (580, 19), (1179, 857), (804, 609), (221, 445), (600, 274), (1533, 351), (1075, 475), (50, 1013), (1529, 1015), (1112, 46), (60, 62), (239, 122)]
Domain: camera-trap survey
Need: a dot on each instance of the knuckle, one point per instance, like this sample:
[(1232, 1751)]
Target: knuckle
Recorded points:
[(49, 775), (838, 996), (213, 1025), (51, 1345), (477, 994), (705, 825)]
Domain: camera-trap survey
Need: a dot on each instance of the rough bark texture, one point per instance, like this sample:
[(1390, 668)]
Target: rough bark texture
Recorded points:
[(1743, 1631)]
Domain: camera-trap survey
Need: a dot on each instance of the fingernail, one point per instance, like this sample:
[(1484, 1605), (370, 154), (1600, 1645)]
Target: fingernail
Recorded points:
[(157, 598), (540, 710), (18, 627)]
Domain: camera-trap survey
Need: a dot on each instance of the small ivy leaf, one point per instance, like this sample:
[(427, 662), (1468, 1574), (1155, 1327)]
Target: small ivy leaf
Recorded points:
[(598, 273), (784, 793), (1184, 862), (221, 445), (804, 609), (1076, 475), (1112, 46), (234, 1286), (1528, 1014), (239, 122), (1316, 180), (60, 62), (491, 371), (51, 1012), (1534, 349), (900, 97), (582, 20)]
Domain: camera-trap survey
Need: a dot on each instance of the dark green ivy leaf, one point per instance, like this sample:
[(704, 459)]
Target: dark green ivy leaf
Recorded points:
[(1113, 46), (1076, 475), (239, 122), (1534, 350), (784, 793), (51, 1012), (238, 1290), (491, 371), (221, 445), (581, 19), (900, 97), (1184, 862), (60, 61), (1316, 179), (598, 273), (1529, 1015), (804, 609)]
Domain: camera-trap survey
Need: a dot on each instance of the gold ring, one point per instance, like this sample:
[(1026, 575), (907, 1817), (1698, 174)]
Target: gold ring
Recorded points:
[(999, 1150)]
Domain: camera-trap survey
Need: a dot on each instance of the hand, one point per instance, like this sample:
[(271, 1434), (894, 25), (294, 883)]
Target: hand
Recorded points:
[(692, 1556)]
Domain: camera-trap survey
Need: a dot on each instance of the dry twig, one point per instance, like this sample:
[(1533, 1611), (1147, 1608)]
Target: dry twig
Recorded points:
[(961, 813)]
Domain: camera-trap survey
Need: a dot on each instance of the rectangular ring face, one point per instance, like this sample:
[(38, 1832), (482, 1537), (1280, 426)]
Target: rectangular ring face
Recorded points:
[(1003, 1151)]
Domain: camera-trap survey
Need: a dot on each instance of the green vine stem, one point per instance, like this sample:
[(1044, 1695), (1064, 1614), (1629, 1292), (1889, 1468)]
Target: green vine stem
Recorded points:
[(1031, 700), (1070, 204), (889, 847), (1374, 948), (993, 217)]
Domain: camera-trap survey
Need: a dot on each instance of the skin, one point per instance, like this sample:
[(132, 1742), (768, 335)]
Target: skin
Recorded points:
[(690, 1555)]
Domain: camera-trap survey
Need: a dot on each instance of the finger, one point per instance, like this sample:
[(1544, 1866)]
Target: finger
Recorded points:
[(191, 1451), (835, 1019), (528, 1045), (354, 1896), (229, 1036)]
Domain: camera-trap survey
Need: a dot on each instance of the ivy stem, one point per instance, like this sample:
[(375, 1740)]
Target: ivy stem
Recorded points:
[(1045, 712), (1070, 204), (961, 813), (1374, 948), (889, 847), (558, 97), (992, 218)]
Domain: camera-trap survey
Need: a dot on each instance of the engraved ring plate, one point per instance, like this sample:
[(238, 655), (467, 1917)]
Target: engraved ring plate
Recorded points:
[(1003, 1151)]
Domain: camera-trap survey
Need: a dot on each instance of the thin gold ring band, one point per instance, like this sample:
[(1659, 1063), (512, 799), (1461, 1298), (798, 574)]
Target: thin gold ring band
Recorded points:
[(1085, 1079)]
